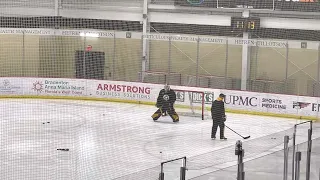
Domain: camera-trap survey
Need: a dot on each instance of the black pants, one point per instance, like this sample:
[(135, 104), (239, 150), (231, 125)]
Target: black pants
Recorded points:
[(215, 125), (170, 110)]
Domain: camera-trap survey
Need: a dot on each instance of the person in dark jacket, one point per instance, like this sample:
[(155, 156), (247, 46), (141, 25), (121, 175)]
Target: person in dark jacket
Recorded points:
[(218, 117), (165, 102)]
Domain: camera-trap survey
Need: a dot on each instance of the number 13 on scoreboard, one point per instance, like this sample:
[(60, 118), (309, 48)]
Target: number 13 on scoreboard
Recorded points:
[(251, 25), (245, 24)]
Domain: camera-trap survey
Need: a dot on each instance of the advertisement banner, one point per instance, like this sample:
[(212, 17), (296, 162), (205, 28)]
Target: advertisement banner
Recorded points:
[(305, 106), (11, 86), (55, 87), (123, 90), (185, 97), (144, 92)]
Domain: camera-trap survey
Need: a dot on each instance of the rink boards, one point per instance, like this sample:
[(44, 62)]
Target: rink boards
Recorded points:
[(144, 93)]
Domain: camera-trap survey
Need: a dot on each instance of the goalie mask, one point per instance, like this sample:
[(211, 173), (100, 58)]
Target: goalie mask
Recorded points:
[(167, 88)]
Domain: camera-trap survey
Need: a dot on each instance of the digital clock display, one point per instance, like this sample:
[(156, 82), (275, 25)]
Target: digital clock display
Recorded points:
[(245, 24)]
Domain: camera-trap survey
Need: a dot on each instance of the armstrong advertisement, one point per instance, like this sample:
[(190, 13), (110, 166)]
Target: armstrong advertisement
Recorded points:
[(122, 90)]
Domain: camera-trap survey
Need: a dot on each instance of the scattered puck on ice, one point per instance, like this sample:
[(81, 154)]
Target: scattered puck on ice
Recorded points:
[(48, 122), (63, 149)]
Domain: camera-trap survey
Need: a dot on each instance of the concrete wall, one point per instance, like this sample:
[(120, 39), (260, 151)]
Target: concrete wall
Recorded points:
[(19, 55)]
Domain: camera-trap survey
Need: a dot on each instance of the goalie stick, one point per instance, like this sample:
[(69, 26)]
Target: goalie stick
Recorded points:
[(247, 137)]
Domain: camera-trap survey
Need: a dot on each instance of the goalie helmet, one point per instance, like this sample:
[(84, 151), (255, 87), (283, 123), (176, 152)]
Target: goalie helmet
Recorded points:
[(166, 87)]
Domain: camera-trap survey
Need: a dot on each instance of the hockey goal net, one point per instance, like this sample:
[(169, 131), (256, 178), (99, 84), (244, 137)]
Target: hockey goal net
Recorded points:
[(193, 103)]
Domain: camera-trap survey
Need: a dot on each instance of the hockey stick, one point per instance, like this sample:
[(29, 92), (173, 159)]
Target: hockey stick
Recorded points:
[(238, 133)]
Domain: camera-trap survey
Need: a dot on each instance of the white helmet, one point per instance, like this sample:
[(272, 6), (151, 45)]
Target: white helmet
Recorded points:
[(166, 87)]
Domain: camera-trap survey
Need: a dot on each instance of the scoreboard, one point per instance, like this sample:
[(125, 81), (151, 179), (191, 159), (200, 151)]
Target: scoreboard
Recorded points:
[(245, 24)]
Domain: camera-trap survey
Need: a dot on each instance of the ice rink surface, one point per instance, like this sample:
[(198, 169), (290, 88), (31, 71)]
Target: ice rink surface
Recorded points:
[(113, 140)]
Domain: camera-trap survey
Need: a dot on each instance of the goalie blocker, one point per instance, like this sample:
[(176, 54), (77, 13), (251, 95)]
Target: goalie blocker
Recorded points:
[(165, 103)]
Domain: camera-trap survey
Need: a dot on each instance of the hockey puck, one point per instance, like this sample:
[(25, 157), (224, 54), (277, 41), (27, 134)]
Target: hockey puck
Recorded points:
[(63, 149)]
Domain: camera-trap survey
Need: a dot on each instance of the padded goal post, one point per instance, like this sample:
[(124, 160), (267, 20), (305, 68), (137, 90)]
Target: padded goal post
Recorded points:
[(193, 103)]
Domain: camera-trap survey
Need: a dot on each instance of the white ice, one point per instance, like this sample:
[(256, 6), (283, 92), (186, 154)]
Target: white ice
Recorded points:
[(108, 140)]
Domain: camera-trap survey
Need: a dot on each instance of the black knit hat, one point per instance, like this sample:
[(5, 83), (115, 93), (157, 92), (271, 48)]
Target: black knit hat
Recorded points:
[(222, 95)]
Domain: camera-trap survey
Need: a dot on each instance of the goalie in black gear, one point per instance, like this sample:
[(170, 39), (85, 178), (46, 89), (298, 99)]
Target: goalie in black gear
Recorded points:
[(165, 102)]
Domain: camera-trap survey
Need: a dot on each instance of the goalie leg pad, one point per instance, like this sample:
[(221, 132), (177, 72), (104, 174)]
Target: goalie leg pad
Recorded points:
[(157, 114), (173, 114)]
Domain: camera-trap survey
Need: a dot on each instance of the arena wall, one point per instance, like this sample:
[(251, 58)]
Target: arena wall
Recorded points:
[(300, 107)]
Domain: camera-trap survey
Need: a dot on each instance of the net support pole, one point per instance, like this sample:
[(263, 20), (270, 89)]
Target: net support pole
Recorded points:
[(226, 66), (183, 169), (161, 175), (273, 5), (23, 54), (297, 166), (309, 154), (286, 155), (245, 69), (202, 106), (318, 77), (114, 57), (169, 59), (197, 69), (144, 40), (287, 60), (240, 153), (293, 150), (256, 62), (84, 56), (56, 8)]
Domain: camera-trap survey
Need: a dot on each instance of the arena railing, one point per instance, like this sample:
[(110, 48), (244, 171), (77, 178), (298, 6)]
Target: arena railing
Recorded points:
[(221, 82), (280, 5), (207, 163), (264, 158)]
